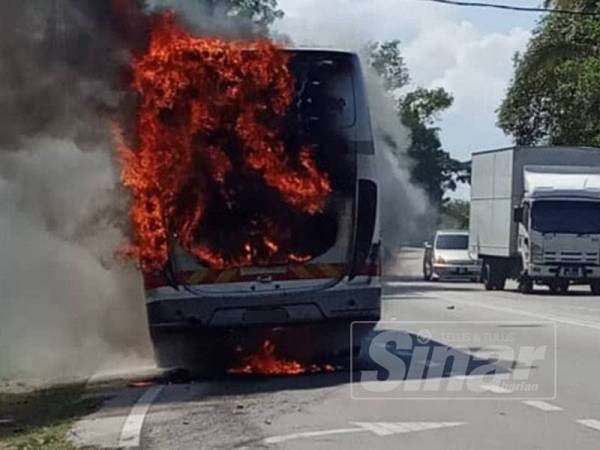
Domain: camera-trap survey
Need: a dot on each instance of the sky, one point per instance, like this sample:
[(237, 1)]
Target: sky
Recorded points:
[(468, 51)]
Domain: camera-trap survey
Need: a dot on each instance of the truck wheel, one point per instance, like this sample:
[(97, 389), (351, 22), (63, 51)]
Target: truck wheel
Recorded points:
[(486, 277), (493, 278), (525, 285), (500, 282), (559, 286), (427, 271), (595, 287)]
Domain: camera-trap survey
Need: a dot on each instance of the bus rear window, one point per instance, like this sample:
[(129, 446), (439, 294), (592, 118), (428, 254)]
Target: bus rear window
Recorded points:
[(324, 89)]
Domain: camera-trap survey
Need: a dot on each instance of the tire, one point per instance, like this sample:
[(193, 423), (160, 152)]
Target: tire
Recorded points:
[(500, 282), (595, 287), (486, 277), (559, 286), (493, 278), (525, 285), (427, 270), (191, 351)]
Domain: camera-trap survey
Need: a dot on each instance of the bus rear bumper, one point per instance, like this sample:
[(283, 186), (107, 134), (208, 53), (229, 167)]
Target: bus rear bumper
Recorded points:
[(352, 304)]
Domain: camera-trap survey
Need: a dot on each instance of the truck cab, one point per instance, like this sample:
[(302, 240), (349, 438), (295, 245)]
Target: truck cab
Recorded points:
[(559, 228)]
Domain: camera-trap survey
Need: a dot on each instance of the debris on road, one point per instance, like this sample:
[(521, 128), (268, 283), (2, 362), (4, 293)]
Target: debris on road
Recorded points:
[(266, 362)]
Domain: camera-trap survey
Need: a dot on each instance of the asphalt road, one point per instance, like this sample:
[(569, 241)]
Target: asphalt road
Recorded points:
[(323, 411)]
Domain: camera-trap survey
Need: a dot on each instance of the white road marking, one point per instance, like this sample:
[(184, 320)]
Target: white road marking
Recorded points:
[(495, 389), (403, 295), (543, 406), (590, 423), (290, 437), (549, 318), (388, 428), (132, 428), (377, 428)]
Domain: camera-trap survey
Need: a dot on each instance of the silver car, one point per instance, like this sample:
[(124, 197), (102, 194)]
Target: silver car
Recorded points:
[(448, 257)]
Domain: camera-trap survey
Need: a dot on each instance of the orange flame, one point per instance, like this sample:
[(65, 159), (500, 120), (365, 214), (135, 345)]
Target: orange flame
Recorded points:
[(265, 362), (207, 111)]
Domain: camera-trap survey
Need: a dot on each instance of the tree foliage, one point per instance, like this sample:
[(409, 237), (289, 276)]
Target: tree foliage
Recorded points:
[(455, 214), (386, 58), (554, 97), (260, 12), (433, 169), (250, 16)]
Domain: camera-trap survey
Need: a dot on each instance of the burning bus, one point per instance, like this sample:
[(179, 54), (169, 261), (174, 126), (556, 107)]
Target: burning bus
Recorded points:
[(254, 195)]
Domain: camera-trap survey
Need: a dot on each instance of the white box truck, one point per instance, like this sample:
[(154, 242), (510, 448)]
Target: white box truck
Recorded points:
[(535, 217)]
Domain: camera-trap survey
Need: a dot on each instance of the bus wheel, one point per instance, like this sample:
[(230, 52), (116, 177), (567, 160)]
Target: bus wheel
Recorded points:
[(188, 350)]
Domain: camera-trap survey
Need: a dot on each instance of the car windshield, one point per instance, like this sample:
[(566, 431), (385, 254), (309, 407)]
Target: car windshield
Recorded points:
[(566, 217), (452, 242)]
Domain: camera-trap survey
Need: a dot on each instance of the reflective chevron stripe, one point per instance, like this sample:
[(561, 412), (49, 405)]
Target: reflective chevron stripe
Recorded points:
[(283, 273)]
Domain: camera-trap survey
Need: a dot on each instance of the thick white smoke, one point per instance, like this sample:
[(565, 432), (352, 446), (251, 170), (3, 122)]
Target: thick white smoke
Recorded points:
[(67, 308), (404, 205)]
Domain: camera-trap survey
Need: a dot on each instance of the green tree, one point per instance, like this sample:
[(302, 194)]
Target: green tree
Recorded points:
[(246, 16), (386, 58), (434, 169), (419, 109), (554, 96), (259, 14)]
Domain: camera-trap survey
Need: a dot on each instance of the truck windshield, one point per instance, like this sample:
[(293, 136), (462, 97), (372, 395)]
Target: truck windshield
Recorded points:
[(452, 242), (566, 217)]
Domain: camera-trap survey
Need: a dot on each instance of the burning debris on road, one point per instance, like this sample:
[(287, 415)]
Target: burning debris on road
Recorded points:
[(266, 362), (210, 165)]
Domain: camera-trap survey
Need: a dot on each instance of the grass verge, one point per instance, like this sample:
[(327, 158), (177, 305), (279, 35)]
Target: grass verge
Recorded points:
[(40, 420)]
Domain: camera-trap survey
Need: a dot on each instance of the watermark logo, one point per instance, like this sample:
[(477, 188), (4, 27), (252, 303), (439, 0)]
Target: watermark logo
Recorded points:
[(454, 360)]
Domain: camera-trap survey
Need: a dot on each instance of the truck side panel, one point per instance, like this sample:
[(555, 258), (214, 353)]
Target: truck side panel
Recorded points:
[(552, 156), (492, 231)]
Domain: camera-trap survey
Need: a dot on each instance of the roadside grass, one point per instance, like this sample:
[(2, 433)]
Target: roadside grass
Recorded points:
[(40, 420)]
